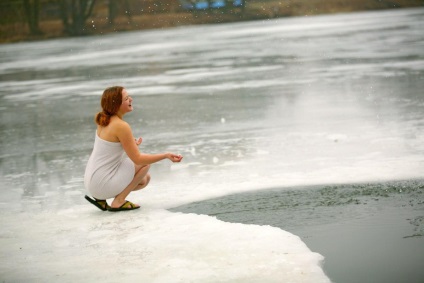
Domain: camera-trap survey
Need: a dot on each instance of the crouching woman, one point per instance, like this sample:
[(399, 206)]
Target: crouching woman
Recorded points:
[(109, 173)]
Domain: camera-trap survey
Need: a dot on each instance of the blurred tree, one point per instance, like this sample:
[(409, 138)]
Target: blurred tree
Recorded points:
[(74, 14), (11, 12), (32, 12), (116, 6), (113, 11)]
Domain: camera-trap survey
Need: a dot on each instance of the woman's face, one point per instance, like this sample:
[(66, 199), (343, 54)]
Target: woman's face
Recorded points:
[(126, 105)]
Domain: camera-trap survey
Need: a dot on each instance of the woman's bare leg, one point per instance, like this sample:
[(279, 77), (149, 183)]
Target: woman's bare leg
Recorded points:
[(140, 181), (143, 183)]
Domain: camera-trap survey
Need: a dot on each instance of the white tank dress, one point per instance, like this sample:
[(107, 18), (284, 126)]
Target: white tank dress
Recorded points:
[(109, 171)]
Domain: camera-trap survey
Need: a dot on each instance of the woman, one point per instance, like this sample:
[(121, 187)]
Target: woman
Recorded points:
[(108, 174)]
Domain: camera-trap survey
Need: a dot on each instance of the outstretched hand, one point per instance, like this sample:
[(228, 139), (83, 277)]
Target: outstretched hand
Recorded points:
[(174, 157)]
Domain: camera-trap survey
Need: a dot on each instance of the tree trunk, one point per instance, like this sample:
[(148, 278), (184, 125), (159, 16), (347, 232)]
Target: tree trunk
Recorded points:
[(64, 15), (113, 10), (78, 11), (32, 11)]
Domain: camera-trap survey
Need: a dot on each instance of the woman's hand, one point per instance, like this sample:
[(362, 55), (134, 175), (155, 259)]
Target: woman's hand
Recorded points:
[(174, 157), (138, 141)]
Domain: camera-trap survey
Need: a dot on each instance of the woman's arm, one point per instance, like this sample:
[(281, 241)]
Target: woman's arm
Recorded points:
[(125, 136)]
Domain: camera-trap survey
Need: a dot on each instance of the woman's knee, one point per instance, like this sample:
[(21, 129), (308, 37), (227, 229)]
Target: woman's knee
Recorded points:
[(141, 169), (145, 168)]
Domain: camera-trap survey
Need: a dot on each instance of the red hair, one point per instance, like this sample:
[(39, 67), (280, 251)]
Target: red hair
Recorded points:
[(111, 101)]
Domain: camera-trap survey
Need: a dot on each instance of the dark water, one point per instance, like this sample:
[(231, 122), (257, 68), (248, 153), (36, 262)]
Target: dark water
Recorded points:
[(366, 232)]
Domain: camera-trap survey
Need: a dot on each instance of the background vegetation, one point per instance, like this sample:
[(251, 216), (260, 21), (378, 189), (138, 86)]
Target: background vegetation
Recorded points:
[(41, 19)]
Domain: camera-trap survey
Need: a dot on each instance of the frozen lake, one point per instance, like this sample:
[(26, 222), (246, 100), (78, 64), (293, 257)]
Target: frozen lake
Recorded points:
[(281, 103)]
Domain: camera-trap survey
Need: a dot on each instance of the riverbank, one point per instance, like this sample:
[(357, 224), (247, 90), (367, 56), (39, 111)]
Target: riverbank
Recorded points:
[(98, 24)]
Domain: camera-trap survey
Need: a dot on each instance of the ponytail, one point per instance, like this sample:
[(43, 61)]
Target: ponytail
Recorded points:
[(102, 119)]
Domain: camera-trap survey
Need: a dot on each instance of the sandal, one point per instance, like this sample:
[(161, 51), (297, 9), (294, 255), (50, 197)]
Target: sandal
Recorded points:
[(100, 204), (126, 206)]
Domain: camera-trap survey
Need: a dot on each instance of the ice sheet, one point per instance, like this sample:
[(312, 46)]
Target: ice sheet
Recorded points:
[(150, 245)]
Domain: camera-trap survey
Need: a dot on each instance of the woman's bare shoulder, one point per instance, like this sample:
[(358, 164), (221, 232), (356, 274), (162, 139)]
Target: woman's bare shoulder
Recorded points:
[(118, 124)]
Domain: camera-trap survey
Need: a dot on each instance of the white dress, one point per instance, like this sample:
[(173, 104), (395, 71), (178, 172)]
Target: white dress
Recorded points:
[(108, 170)]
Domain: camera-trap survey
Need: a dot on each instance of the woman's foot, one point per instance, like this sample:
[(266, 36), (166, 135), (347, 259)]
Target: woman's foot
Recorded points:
[(117, 203), (127, 205)]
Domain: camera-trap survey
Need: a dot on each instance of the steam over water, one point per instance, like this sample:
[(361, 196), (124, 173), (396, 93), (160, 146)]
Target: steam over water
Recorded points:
[(283, 104)]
